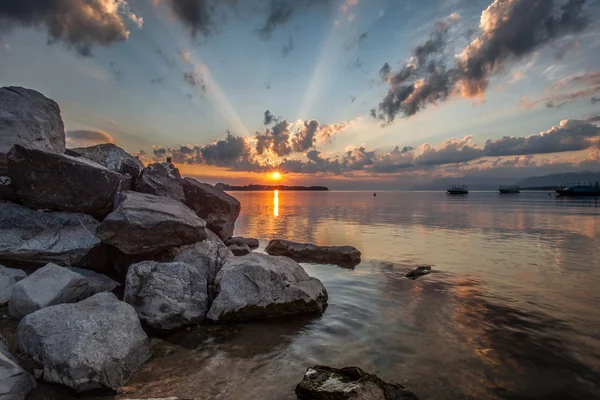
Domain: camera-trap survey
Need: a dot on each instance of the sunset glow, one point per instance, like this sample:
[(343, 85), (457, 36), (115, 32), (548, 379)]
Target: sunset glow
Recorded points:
[(275, 176)]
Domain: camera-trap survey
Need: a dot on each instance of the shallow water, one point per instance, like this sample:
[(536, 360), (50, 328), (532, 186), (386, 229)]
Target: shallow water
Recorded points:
[(511, 311)]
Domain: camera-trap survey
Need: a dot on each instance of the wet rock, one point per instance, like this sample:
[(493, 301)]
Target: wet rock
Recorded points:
[(167, 296), (35, 238), (6, 288), (29, 118), (143, 223), (45, 180), (161, 179), (417, 272), (258, 286), (96, 343), (239, 249), (112, 157), (345, 256), (326, 383), (53, 285), (15, 382), (250, 242), (17, 274), (216, 207)]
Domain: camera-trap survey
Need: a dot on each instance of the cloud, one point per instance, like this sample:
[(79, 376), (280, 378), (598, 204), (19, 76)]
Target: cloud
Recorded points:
[(451, 152), (157, 80), (569, 90), (287, 47), (276, 140), (168, 61), (355, 41), (79, 24), (84, 138), (192, 79), (305, 138), (280, 12), (195, 14), (269, 118)]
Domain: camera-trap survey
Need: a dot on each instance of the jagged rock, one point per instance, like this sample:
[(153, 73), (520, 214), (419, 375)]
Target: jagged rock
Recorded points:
[(250, 242), (53, 285), (35, 238), (161, 179), (239, 249), (112, 157), (207, 256), (167, 296), (29, 118), (350, 383), (15, 382), (98, 342), (345, 256), (6, 288), (417, 272), (143, 223), (18, 274), (259, 286), (52, 181), (216, 207)]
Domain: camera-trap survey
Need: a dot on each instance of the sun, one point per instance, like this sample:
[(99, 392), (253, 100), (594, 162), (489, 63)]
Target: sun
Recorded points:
[(275, 176)]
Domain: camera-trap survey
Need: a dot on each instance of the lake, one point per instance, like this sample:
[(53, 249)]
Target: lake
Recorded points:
[(510, 311)]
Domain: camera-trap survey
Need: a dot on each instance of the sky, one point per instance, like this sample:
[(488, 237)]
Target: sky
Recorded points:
[(347, 93)]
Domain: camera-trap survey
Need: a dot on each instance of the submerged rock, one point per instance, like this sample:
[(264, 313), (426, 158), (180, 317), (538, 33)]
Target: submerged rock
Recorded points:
[(98, 342), (161, 179), (216, 207), (345, 256), (143, 223), (417, 272), (250, 242), (53, 285), (167, 296), (112, 157), (258, 286), (351, 383), (15, 382), (240, 249)]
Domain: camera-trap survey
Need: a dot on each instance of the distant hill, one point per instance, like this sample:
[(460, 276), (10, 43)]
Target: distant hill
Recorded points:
[(554, 180), (226, 187)]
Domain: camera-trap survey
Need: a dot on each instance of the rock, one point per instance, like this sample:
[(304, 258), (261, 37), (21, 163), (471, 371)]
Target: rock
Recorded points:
[(35, 238), (161, 179), (15, 382), (417, 272), (326, 383), (239, 249), (252, 243), (98, 342), (345, 256), (259, 286), (38, 373), (216, 207), (143, 223), (6, 288), (112, 157), (167, 296), (53, 285), (18, 274), (29, 118), (59, 182)]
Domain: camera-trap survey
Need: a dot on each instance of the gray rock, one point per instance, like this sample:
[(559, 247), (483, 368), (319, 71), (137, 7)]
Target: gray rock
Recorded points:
[(259, 286), (161, 179), (143, 223), (345, 256), (250, 242), (98, 342), (112, 157), (6, 288), (417, 272), (18, 274), (35, 238), (216, 207), (15, 382), (53, 285), (350, 383), (59, 182), (167, 296), (29, 118), (239, 249)]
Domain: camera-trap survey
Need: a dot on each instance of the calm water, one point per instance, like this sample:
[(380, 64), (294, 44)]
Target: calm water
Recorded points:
[(512, 310)]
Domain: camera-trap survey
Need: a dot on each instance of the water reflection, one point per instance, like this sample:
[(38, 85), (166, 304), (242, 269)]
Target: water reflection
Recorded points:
[(276, 203)]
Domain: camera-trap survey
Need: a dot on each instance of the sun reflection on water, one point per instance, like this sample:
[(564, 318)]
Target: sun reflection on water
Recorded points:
[(276, 203)]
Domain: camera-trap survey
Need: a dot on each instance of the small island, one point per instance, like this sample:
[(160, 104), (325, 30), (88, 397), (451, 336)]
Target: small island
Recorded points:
[(252, 187)]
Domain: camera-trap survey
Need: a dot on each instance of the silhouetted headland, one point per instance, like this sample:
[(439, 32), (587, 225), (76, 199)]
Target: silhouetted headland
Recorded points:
[(251, 187)]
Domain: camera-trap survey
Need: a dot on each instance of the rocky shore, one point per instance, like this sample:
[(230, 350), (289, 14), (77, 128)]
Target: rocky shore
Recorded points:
[(101, 253)]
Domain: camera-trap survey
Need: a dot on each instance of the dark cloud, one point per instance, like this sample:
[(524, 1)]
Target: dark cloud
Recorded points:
[(352, 99), (276, 140), (287, 47), (306, 137), (228, 152), (269, 118), (82, 138), (157, 80), (79, 24), (355, 41), (451, 152), (159, 151), (195, 14), (394, 161), (384, 72), (280, 12), (192, 79), (168, 61)]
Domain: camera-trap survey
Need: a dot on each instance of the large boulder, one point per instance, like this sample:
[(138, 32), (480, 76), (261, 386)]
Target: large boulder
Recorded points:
[(250, 242), (345, 256), (96, 343), (167, 296), (29, 118), (216, 207), (112, 157), (239, 249), (6, 288), (350, 383), (143, 223), (15, 382), (35, 238), (53, 285), (18, 274), (45, 180), (160, 179), (259, 286)]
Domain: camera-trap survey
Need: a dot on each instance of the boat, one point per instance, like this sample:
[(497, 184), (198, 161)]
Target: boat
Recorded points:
[(509, 189), (456, 189), (579, 190)]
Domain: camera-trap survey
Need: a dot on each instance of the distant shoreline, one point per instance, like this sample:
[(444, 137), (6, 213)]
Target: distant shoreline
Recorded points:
[(248, 188)]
